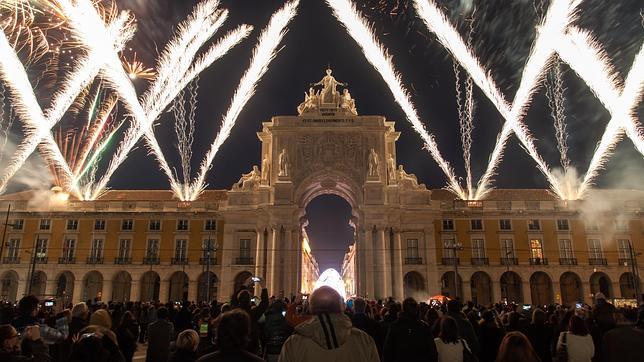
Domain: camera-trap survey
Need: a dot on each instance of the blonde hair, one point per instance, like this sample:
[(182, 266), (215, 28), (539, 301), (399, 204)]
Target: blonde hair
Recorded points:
[(188, 339)]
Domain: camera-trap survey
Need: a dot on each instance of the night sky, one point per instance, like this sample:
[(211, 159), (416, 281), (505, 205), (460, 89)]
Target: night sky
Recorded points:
[(502, 37)]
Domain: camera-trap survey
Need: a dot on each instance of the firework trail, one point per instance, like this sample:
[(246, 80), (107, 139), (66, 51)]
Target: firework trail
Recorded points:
[(263, 54), (184, 127), (602, 79), (559, 15), (556, 99), (346, 12), (174, 72), (85, 70)]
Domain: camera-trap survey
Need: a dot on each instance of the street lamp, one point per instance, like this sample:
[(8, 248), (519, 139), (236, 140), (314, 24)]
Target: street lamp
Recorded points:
[(634, 271), (32, 266), (207, 250), (455, 247), (4, 232)]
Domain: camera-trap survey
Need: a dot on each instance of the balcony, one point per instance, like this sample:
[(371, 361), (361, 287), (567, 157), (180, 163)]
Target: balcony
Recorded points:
[(413, 261), (567, 261), (11, 260), (152, 260), (121, 260), (480, 261), (95, 260), (625, 261), (597, 261), (538, 261), (41, 260), (244, 260), (509, 261), (205, 261), (179, 261), (451, 261), (67, 260)]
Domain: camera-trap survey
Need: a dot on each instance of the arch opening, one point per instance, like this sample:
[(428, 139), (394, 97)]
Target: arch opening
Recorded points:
[(204, 293), (541, 289), (121, 286), (92, 286), (150, 286), (449, 285), (481, 285), (65, 287), (571, 289), (179, 286), (627, 283), (9, 286), (511, 287), (601, 283)]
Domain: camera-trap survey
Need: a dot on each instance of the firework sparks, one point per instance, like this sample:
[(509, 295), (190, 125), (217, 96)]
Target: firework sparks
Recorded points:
[(555, 95), (135, 69), (346, 12)]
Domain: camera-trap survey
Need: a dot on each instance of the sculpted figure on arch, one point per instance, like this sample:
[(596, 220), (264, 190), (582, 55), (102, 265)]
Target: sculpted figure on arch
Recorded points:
[(284, 164), (329, 93)]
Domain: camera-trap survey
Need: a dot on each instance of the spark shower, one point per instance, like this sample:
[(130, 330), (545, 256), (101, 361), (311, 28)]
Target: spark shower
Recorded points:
[(100, 34)]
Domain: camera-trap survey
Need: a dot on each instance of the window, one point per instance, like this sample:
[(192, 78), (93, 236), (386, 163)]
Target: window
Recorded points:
[(69, 247), (412, 248), (209, 247), (127, 224), (592, 225), (595, 249), (155, 225), (244, 248), (99, 224), (97, 249), (180, 249), (13, 250), (72, 224), (182, 225), (624, 248), (124, 248), (534, 224), (210, 225), (18, 224), (448, 224), (45, 224), (476, 224), (152, 250), (562, 225), (621, 225), (565, 249), (41, 248), (448, 248), (478, 248), (507, 248), (505, 224), (536, 249)]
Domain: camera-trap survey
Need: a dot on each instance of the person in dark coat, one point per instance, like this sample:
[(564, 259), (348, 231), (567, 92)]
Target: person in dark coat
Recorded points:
[(12, 351), (96, 344), (186, 347), (233, 335), (363, 322), (490, 336), (160, 334), (125, 336), (242, 300), (275, 330), (409, 338), (465, 329), (625, 343), (540, 335)]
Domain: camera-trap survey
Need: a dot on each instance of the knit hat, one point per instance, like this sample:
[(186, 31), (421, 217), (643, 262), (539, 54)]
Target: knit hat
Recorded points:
[(101, 318)]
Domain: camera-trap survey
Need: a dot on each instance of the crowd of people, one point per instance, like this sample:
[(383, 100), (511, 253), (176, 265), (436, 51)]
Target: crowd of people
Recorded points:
[(323, 327)]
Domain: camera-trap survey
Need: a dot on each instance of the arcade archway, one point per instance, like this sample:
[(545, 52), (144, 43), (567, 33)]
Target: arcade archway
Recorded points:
[(571, 288), (601, 283), (150, 286), (511, 287), (92, 285), (9, 286), (481, 285), (541, 289), (121, 286), (414, 286)]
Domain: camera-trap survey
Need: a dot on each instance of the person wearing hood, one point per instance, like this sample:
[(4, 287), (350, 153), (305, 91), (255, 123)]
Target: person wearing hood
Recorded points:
[(275, 330), (409, 338), (329, 335), (242, 300)]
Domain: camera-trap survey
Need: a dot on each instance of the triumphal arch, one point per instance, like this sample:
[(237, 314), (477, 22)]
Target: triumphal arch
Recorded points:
[(328, 148)]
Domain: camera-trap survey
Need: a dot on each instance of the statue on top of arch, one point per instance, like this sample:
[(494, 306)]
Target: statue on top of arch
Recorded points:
[(327, 97)]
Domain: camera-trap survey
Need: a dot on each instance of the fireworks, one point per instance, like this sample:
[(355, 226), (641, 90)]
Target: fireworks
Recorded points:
[(135, 69)]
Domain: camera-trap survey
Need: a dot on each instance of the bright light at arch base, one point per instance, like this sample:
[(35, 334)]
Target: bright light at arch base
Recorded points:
[(332, 278)]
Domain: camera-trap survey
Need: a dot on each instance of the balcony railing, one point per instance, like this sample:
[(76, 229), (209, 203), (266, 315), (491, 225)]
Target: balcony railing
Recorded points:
[(67, 260), (480, 261), (538, 261), (95, 260), (204, 261), (597, 261), (244, 260), (121, 260), (11, 260), (567, 261), (509, 261), (41, 260), (625, 261), (451, 261), (414, 261), (151, 260), (179, 261)]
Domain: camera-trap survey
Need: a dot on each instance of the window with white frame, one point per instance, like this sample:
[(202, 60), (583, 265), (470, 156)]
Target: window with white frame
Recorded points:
[(181, 249), (534, 224), (412, 248), (69, 248), (507, 248), (152, 249), (565, 249), (592, 225), (125, 248), (244, 248), (99, 224), (210, 225), (45, 224), (96, 251), (448, 224), (595, 249), (127, 224), (536, 249), (505, 224), (476, 224), (72, 224), (209, 248), (624, 248), (17, 224), (562, 225), (448, 248), (13, 249), (41, 247), (182, 225), (478, 248), (155, 225)]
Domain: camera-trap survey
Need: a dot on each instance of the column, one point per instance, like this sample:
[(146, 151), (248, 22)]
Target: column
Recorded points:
[(361, 264), (107, 290), (272, 270), (226, 283), (556, 291), (294, 270), (135, 290), (78, 291), (298, 258), (398, 269), (50, 287), (526, 292), (467, 288), (383, 281), (370, 264), (164, 290), (259, 256), (430, 261), (192, 290)]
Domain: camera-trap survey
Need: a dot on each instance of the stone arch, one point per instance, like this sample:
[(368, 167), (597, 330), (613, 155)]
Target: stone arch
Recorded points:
[(481, 285), (541, 289), (121, 286), (150, 286), (92, 285), (9, 289), (65, 287), (448, 285), (414, 286), (38, 284), (571, 288), (179, 283), (601, 283), (326, 182), (511, 287), (202, 291), (241, 279), (627, 283)]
